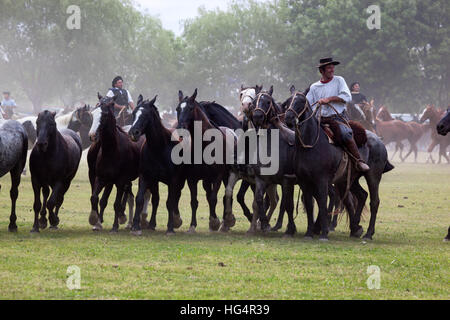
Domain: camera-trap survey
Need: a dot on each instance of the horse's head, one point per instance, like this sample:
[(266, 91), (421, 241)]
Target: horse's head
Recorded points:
[(247, 95), (81, 117), (427, 113), (45, 129), (185, 110), (101, 110), (443, 127), (296, 107), (383, 114), (263, 108), (142, 117)]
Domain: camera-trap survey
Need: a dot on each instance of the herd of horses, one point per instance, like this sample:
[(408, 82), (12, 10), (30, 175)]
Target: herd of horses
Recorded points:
[(140, 144)]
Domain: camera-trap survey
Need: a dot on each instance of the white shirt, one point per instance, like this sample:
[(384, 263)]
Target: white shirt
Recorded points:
[(336, 87)]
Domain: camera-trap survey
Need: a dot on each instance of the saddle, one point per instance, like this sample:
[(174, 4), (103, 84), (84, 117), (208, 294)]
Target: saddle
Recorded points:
[(331, 129)]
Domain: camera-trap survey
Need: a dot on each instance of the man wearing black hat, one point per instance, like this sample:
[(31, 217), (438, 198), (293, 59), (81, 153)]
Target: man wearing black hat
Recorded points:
[(123, 99), (332, 93)]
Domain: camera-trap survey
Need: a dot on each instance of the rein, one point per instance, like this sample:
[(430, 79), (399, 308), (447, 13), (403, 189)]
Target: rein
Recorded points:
[(271, 107)]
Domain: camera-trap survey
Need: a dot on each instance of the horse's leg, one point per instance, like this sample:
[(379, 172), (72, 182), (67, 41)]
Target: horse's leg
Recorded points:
[(154, 192), (127, 193), (309, 207), (373, 181), (411, 148), (321, 196), (56, 198), (192, 184), (142, 189), (331, 206), (104, 200), (228, 217), (430, 150), (261, 187), (395, 151), (94, 217), (254, 223), (272, 190), (43, 218), (144, 214), (361, 196), (174, 192), (128, 198), (288, 200), (273, 204), (59, 199), (37, 203), (401, 150), (14, 193), (214, 222), (241, 199), (118, 208)]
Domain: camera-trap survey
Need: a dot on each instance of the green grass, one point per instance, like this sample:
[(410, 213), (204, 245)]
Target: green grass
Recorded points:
[(407, 247)]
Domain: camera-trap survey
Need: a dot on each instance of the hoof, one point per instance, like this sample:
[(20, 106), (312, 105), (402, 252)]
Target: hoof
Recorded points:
[(128, 227), (144, 224), (275, 228), (446, 240), (34, 230), (229, 221), (367, 237), (224, 228), (288, 236), (332, 228), (323, 239), (191, 230), (53, 228), (170, 233), (114, 230), (177, 221), (97, 227), (251, 232), (122, 219), (357, 233), (214, 224), (12, 228), (136, 233), (42, 223), (93, 218)]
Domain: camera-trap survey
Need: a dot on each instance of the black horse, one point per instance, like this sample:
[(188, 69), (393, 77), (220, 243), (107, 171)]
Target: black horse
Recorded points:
[(81, 122), (13, 151), (319, 163), (54, 162), (212, 175), (443, 127), (112, 160), (155, 165)]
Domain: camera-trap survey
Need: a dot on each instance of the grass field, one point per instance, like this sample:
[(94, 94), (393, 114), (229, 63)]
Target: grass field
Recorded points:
[(407, 247)]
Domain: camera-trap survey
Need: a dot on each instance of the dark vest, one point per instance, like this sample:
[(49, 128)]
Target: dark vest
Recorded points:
[(122, 96), (358, 98)]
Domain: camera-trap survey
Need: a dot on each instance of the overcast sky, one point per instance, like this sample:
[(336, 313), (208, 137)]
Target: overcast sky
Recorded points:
[(171, 12)]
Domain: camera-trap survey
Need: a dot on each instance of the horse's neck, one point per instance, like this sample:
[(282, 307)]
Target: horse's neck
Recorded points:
[(201, 116), (309, 129), (157, 134), (109, 136)]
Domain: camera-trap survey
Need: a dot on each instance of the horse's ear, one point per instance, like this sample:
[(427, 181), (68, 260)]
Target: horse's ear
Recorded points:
[(292, 89), (152, 102), (99, 96), (271, 90), (194, 95), (53, 114), (140, 99), (180, 95), (258, 89), (242, 87)]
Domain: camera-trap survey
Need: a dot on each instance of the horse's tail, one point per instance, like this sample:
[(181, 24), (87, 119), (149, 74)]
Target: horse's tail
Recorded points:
[(24, 147), (388, 167)]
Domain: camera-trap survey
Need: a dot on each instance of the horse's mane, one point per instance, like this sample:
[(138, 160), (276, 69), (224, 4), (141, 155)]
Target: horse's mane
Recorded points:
[(216, 113)]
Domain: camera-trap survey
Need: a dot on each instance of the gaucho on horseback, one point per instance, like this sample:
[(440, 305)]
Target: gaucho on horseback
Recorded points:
[(123, 99), (331, 94)]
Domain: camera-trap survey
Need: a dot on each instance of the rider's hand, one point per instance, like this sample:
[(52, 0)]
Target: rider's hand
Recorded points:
[(324, 101)]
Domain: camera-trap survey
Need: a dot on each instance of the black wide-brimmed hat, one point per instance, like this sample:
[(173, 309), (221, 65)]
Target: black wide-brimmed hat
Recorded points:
[(326, 61)]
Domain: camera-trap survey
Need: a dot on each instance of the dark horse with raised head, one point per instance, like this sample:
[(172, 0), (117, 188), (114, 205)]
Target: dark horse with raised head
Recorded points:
[(112, 160), (13, 156), (318, 163), (194, 121), (443, 127), (54, 162), (155, 165)]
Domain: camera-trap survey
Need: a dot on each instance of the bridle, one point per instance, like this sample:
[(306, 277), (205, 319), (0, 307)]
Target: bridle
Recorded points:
[(271, 107)]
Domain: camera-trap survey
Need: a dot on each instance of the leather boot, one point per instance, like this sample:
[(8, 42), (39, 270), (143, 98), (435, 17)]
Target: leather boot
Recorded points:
[(352, 149)]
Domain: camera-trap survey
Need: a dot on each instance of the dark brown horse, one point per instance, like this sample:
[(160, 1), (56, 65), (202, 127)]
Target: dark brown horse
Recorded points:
[(211, 174), (54, 162), (443, 127), (434, 116), (113, 160)]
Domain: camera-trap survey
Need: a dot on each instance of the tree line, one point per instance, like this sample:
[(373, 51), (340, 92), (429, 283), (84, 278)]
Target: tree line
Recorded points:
[(404, 64)]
